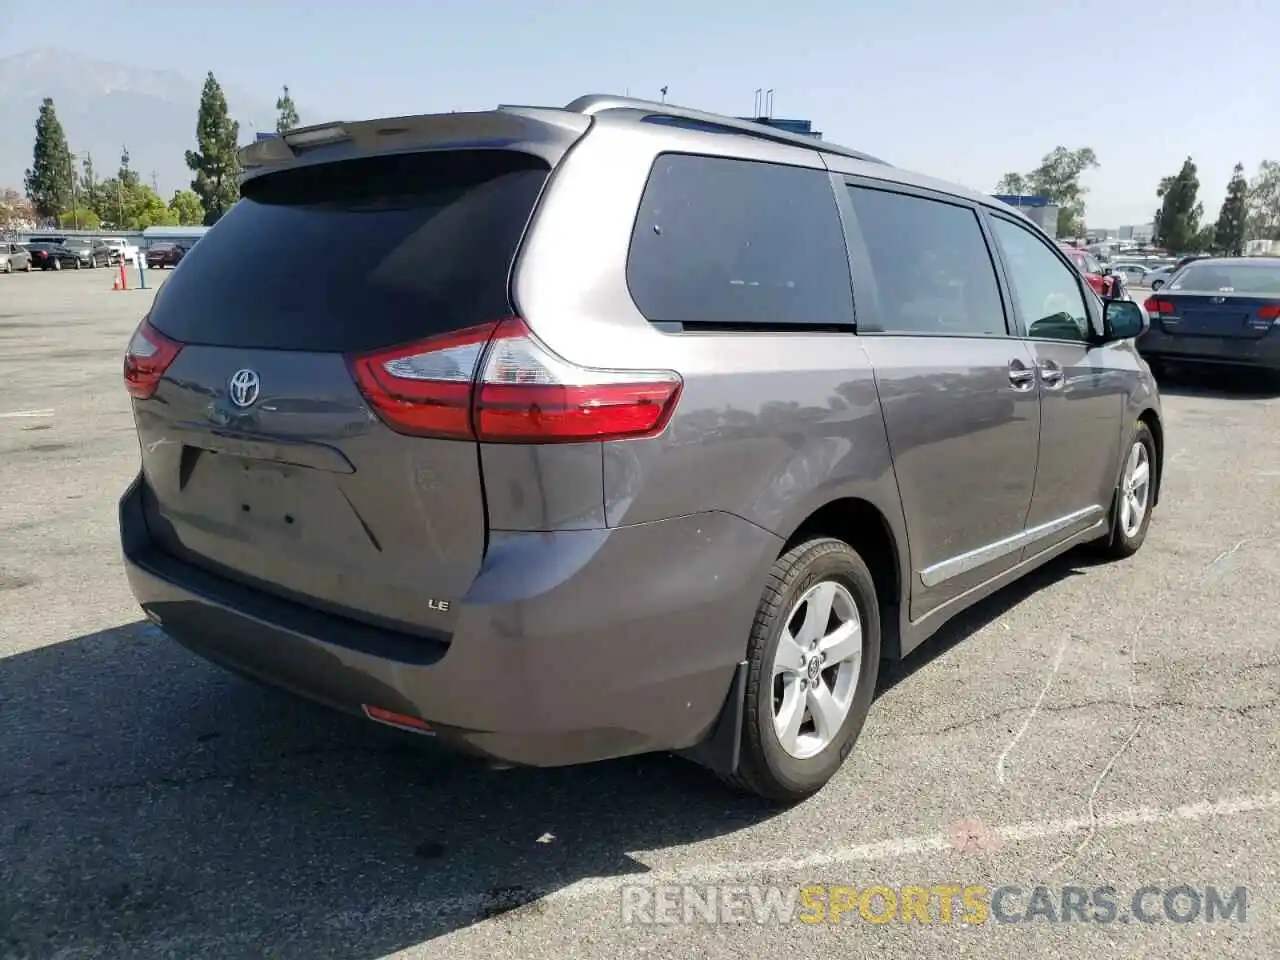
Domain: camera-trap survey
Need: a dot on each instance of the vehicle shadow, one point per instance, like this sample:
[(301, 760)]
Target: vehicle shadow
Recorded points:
[(968, 622), (1226, 384), (152, 804)]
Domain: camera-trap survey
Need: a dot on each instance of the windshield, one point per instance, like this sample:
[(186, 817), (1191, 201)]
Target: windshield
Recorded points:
[(1209, 277)]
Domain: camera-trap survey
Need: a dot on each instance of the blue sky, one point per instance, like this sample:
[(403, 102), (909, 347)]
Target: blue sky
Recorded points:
[(965, 91)]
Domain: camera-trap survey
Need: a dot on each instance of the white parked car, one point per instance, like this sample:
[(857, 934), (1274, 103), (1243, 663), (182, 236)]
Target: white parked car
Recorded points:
[(1133, 272), (128, 251), (1158, 278)]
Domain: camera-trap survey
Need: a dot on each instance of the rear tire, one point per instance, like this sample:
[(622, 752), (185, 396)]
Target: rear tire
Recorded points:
[(1134, 493), (791, 657), (8, 266)]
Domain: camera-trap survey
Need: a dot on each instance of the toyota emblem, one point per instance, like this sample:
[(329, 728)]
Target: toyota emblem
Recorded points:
[(244, 387)]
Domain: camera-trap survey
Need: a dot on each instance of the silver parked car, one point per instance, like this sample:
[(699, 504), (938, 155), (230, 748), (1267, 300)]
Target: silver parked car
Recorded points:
[(621, 427), (14, 256)]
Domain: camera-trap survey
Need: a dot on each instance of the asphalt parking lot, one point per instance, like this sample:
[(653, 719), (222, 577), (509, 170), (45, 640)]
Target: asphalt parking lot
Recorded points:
[(1094, 725)]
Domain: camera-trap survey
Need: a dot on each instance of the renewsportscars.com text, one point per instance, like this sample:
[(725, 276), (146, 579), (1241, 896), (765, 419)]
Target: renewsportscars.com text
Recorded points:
[(931, 904)]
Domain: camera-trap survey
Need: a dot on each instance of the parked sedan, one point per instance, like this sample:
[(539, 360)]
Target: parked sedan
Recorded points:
[(1132, 272), (93, 253), (14, 256), (1221, 312), (53, 256), (1156, 279), (163, 255)]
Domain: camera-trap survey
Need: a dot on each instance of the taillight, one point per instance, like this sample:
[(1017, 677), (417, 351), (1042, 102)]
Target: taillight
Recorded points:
[(1155, 306), (527, 394), (1270, 311), (147, 357), (500, 384), (425, 389)]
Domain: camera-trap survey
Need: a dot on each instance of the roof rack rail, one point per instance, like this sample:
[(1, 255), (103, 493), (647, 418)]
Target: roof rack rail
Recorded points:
[(594, 103)]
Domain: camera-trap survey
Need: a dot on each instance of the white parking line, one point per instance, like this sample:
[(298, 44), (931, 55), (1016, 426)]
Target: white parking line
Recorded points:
[(18, 414), (803, 868)]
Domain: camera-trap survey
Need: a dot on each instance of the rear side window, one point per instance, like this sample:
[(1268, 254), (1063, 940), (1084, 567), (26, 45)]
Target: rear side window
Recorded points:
[(357, 254), (736, 244), (933, 270)]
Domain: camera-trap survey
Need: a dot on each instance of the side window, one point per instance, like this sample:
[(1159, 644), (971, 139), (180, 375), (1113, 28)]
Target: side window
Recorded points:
[(1046, 290), (933, 270), (737, 244)]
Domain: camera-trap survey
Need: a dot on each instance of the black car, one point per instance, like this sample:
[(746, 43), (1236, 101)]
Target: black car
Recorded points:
[(46, 255)]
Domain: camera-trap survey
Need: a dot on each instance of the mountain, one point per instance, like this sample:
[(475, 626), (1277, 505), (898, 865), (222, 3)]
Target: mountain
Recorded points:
[(104, 106)]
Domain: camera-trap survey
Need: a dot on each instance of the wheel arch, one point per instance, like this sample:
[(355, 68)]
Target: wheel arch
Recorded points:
[(867, 528), (1151, 418)]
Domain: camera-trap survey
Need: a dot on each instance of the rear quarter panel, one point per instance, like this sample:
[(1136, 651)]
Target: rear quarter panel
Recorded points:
[(769, 427)]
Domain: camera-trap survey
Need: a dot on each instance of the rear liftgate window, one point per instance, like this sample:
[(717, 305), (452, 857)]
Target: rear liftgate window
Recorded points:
[(723, 244), (357, 254)]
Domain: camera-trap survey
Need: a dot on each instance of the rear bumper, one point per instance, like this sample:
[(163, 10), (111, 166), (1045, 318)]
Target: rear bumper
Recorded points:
[(1263, 352), (569, 647)]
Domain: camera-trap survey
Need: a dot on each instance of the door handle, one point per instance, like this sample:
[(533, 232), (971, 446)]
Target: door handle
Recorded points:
[(1021, 376), (1050, 374)]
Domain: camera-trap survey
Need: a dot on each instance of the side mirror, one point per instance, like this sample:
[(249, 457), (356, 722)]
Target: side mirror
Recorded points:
[(1124, 320)]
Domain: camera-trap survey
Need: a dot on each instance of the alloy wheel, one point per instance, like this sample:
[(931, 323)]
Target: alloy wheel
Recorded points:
[(816, 668)]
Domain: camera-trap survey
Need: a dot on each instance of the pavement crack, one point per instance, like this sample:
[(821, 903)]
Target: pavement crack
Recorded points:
[(1062, 708), (1035, 708), (1225, 555)]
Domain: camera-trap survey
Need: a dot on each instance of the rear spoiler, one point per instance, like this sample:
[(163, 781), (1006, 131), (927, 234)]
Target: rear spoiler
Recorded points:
[(542, 131)]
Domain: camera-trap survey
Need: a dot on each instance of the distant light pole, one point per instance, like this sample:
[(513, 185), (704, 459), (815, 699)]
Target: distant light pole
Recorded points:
[(664, 94)]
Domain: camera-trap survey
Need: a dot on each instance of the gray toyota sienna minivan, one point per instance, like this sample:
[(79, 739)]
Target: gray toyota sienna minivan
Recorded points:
[(567, 434)]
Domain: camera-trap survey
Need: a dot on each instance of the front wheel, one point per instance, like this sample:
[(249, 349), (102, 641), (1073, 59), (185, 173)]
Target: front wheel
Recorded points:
[(812, 660), (1134, 497), (1156, 285)]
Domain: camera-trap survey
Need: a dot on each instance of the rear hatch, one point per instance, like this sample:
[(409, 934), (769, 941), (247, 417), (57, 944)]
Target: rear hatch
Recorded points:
[(1221, 300), (263, 460)]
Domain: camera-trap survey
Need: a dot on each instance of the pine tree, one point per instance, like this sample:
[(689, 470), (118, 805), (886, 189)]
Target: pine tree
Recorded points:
[(89, 185), (50, 180), (1180, 213), (1228, 235), (288, 118), (216, 164)]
